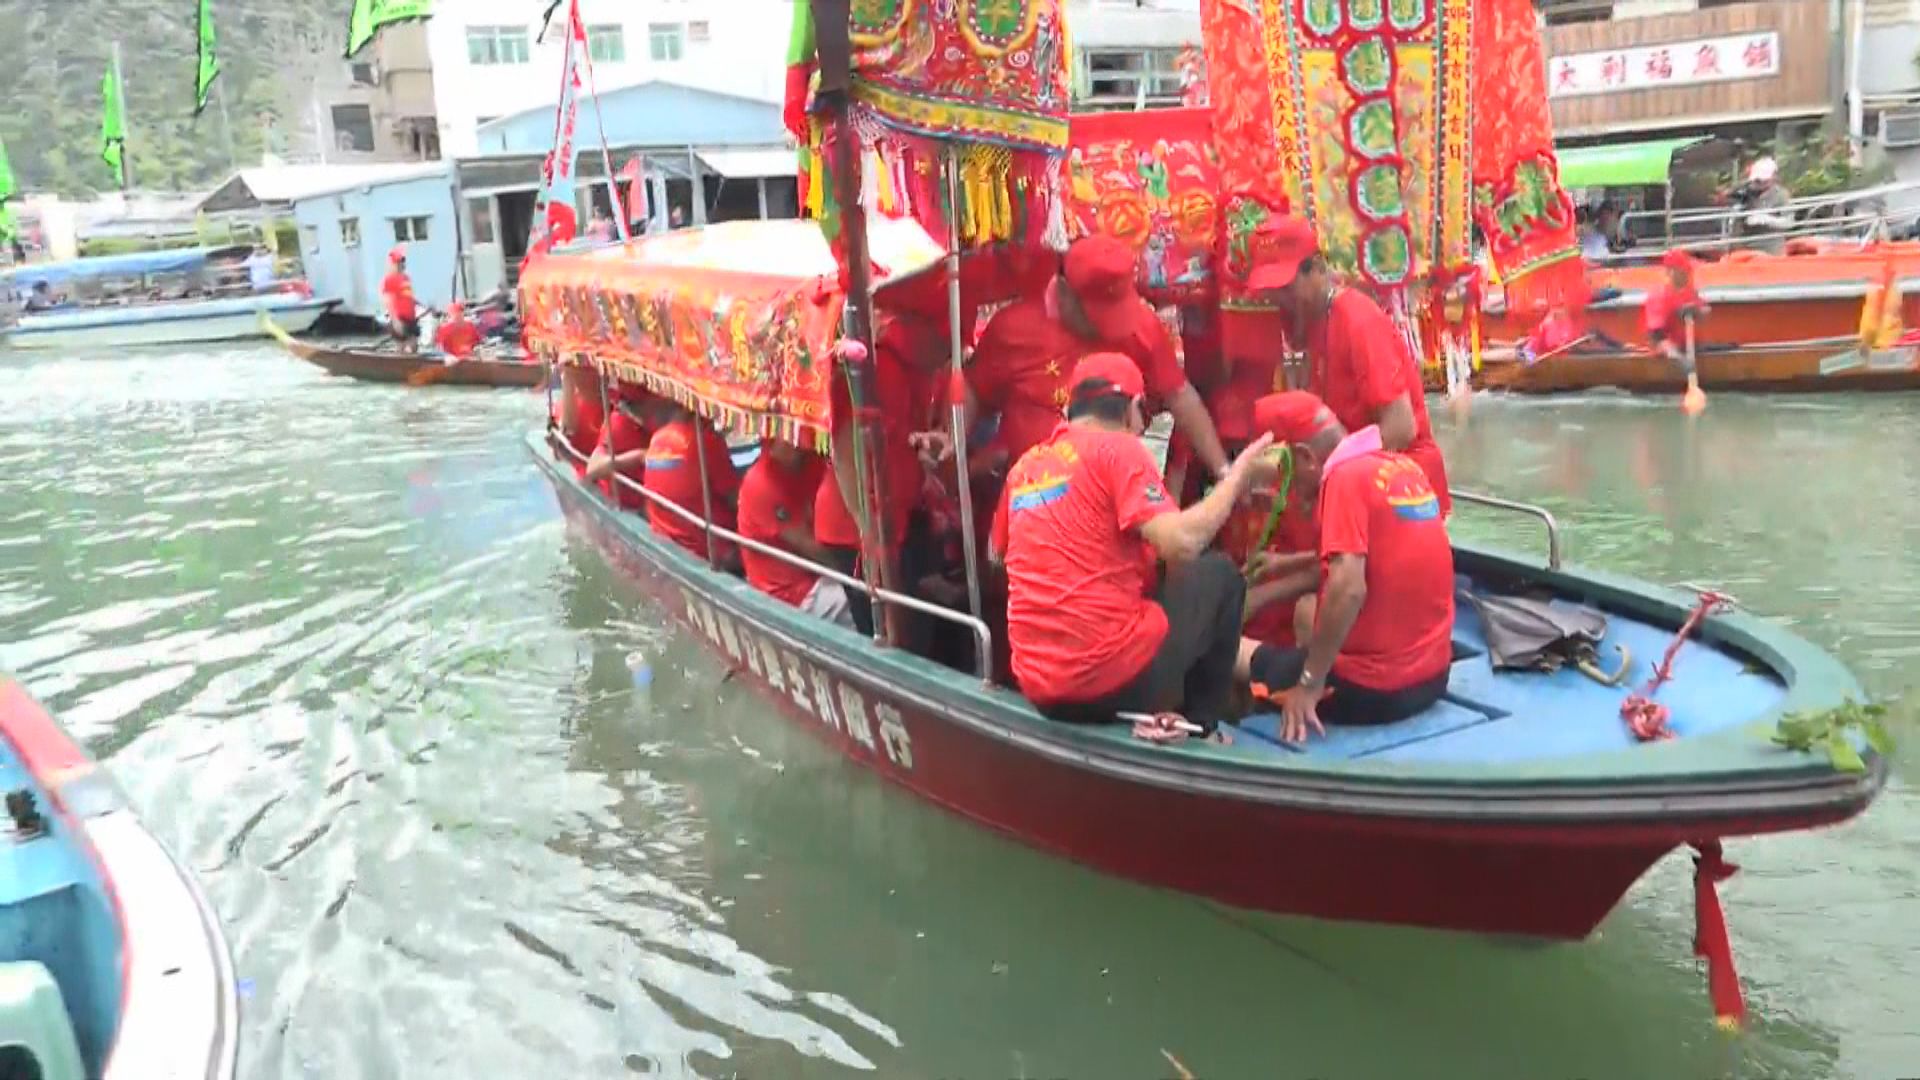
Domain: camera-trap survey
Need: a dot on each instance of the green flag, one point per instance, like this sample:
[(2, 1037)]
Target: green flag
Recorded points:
[(370, 15), (6, 192), (113, 122), (209, 62)]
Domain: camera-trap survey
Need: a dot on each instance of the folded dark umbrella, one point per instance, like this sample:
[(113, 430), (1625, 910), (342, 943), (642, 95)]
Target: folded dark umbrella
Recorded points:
[(1534, 634)]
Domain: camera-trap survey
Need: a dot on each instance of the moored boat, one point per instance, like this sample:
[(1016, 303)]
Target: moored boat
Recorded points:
[(413, 369), (1786, 368), (175, 322), (1776, 324), (115, 963), (194, 314)]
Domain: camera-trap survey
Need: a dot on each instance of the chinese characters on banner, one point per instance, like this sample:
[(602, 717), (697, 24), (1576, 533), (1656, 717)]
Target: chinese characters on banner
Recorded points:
[(1650, 67)]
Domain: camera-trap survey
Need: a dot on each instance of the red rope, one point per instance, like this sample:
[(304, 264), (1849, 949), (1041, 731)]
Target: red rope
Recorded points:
[(1646, 718), (1710, 935)]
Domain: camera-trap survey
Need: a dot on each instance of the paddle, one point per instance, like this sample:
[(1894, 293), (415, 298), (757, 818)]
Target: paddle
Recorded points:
[(427, 376)]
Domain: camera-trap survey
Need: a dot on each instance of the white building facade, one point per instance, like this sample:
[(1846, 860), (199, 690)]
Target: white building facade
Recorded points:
[(488, 63)]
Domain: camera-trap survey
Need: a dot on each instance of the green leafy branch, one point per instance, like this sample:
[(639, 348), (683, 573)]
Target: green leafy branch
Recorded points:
[(1830, 729)]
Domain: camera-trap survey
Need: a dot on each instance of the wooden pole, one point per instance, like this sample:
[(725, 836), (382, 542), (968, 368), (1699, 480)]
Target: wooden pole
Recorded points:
[(957, 408), (120, 93), (834, 49)]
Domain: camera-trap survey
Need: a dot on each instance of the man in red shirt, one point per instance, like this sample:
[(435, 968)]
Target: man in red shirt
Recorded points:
[(673, 473), (577, 415), (1362, 366), (623, 446), (1085, 515), (907, 355), (403, 315), (1381, 640), (776, 509), (1671, 308), (1022, 365), (457, 337)]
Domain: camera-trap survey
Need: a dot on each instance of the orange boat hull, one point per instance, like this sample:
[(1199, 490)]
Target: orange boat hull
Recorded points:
[(1761, 370)]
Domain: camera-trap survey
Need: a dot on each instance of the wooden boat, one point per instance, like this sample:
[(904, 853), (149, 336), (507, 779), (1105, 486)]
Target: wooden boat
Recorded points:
[(112, 963), (1793, 369), (161, 322), (413, 369), (1774, 322), (1519, 804)]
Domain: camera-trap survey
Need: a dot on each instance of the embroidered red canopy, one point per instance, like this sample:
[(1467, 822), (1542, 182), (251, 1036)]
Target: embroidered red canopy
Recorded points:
[(1150, 178), (736, 321)]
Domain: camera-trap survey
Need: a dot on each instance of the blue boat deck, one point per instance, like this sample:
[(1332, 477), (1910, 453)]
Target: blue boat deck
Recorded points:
[(53, 909), (1505, 717)]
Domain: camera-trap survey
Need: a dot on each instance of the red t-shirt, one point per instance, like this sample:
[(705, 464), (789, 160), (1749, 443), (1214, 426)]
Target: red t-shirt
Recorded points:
[(398, 291), (1296, 531), (1361, 364), (1026, 356), (1079, 619), (587, 417), (458, 338), (1663, 308), (1380, 505), (673, 472), (905, 396), (773, 499), (624, 435)]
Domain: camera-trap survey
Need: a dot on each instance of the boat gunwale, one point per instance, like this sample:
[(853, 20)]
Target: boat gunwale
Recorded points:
[(1782, 791)]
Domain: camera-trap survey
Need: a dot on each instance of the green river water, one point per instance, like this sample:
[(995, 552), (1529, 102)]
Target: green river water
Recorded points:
[(469, 809)]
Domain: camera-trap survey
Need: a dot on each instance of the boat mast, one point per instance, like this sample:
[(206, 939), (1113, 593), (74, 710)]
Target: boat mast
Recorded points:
[(834, 48)]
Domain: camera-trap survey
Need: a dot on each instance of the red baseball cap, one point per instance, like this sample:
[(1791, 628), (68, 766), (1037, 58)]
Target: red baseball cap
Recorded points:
[(1100, 270), (1280, 245), (398, 254), (1678, 259), (1293, 417), (1117, 370)]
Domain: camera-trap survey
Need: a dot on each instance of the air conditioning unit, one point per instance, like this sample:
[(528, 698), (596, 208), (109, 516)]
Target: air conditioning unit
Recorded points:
[(1899, 129)]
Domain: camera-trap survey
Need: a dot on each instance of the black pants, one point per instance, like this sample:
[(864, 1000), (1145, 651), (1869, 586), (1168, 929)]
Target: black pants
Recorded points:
[(915, 549), (1192, 673), (1345, 703)]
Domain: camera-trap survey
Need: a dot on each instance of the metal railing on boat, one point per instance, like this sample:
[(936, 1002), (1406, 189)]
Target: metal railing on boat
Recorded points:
[(1540, 512), (982, 636)]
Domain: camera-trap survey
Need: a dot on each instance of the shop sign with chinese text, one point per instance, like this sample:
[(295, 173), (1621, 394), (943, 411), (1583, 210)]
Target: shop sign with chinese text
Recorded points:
[(1654, 67)]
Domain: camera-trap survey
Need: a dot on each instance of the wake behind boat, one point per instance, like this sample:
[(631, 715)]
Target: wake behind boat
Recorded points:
[(114, 963)]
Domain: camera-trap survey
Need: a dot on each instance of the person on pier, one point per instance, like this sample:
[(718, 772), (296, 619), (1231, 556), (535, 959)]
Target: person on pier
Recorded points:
[(1083, 520), (1379, 632), (1361, 364)]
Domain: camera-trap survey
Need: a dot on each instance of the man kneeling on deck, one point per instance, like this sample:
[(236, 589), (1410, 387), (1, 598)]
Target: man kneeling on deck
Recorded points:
[(1380, 634), (1083, 518)]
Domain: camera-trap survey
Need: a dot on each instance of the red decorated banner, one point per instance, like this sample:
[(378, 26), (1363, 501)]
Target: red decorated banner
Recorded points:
[(736, 321), (1518, 203), (1149, 178)]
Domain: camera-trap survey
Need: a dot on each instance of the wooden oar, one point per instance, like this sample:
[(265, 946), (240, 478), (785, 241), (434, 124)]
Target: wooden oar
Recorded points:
[(274, 329)]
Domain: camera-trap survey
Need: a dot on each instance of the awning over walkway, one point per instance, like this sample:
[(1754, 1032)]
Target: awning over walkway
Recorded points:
[(1622, 164), (751, 164)]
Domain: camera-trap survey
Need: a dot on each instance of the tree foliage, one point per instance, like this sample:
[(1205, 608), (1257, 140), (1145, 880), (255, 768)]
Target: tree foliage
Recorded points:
[(273, 53)]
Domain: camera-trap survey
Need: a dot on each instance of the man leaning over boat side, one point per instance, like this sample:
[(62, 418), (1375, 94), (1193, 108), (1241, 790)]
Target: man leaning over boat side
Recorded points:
[(1084, 516), (1361, 364), (1379, 635)]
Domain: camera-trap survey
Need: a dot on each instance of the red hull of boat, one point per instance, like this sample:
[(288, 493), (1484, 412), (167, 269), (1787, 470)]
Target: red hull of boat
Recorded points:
[(1549, 881)]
